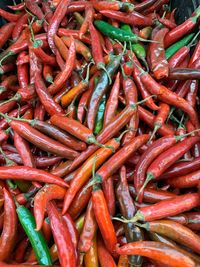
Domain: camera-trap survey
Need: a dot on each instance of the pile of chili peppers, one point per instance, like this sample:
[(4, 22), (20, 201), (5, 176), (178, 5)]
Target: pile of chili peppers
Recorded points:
[(99, 135)]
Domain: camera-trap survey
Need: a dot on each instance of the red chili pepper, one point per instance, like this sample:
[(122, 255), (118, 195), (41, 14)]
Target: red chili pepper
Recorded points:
[(85, 171), (46, 99), (160, 119), (10, 16), (157, 251), (22, 72), (165, 95), (42, 141), (169, 207), (109, 193), (55, 22), (117, 123), (104, 256), (167, 23), (176, 232), (63, 76), (89, 14), (149, 118), (89, 230), (158, 61), (103, 219), (115, 5), (175, 34), (133, 18), (112, 102), (131, 96), (62, 237), (80, 201), (144, 5), (144, 92), (120, 157), (17, 7), (8, 235), (50, 60), (6, 32), (41, 199), (169, 157), (21, 249), (156, 6), (152, 195), (19, 26), (154, 150), (30, 174)]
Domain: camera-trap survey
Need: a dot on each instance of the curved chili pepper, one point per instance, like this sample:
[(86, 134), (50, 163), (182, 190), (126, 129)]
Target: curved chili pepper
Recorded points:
[(6, 32), (36, 238), (133, 18), (104, 256), (152, 195), (86, 170), (128, 210), (158, 62), (80, 47), (10, 16), (100, 89), (57, 134), (46, 99), (89, 230), (131, 96), (119, 158), (30, 174), (184, 74), (157, 251), (165, 95), (19, 26), (116, 124), (17, 7), (156, 6), (181, 168), (80, 201), (91, 257), (162, 115), (112, 102), (176, 232), (50, 60), (42, 141), (168, 157), (8, 235), (62, 237), (41, 200), (185, 181), (169, 207), (55, 22), (22, 72), (144, 92), (69, 65), (103, 219), (75, 128), (175, 34), (144, 5)]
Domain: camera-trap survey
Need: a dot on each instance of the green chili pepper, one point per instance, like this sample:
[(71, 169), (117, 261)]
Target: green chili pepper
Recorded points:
[(170, 51), (116, 33), (138, 49), (100, 114), (36, 238)]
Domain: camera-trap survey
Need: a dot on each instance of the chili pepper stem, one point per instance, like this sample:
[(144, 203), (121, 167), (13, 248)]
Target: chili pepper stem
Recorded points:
[(16, 97), (142, 101), (138, 217), (157, 126), (7, 160), (170, 113), (148, 179), (9, 119), (10, 53), (192, 43), (92, 140), (179, 137), (101, 66)]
